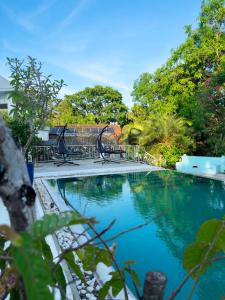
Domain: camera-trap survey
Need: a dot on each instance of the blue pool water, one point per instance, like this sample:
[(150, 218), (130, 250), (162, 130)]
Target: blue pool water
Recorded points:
[(176, 203)]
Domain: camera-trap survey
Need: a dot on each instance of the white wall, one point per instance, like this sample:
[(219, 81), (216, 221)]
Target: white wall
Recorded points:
[(4, 217), (5, 100), (201, 164)]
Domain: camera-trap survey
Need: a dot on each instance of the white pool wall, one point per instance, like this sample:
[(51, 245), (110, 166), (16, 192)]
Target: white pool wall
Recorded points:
[(201, 165)]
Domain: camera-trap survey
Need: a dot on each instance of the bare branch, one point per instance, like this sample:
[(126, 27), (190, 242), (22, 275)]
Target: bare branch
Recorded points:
[(177, 291)]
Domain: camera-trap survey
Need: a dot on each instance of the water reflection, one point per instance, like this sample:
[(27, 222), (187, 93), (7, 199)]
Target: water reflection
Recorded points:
[(183, 203)]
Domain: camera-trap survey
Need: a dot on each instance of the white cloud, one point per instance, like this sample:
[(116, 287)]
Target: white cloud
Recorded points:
[(66, 91), (26, 20), (98, 73), (80, 6)]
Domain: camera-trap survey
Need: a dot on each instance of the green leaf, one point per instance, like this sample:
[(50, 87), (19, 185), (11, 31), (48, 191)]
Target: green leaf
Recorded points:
[(2, 244), (116, 283), (134, 276), (195, 254), (103, 292), (117, 286), (46, 250), (59, 279), (52, 222), (14, 294), (71, 262), (2, 252), (208, 230), (34, 269), (91, 256)]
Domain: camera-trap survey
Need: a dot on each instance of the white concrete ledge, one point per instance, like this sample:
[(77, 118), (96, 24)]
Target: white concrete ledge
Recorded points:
[(88, 168)]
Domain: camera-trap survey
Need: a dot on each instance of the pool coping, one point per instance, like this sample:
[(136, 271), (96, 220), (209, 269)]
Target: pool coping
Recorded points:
[(204, 175), (97, 171)]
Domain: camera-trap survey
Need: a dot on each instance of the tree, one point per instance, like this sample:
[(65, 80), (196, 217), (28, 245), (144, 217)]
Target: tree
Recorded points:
[(34, 94), (177, 87), (65, 113), (103, 103), (210, 120), (161, 135), (170, 87)]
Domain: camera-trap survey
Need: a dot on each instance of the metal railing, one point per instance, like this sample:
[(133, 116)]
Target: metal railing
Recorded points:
[(50, 153)]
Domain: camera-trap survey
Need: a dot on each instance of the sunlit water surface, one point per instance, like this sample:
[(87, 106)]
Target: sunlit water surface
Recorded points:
[(177, 205)]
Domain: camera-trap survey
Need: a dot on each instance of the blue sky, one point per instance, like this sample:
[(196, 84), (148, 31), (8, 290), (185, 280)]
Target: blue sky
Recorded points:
[(88, 42)]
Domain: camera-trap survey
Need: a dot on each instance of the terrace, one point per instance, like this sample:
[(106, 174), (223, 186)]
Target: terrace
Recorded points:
[(88, 167)]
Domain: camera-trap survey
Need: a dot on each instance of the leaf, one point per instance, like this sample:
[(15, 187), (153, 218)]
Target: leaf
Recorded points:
[(52, 222), (46, 250), (59, 279), (14, 294), (116, 283), (10, 234), (195, 254), (208, 230), (2, 244), (34, 269), (130, 262), (134, 276), (103, 292), (69, 257), (91, 256), (117, 286), (210, 240)]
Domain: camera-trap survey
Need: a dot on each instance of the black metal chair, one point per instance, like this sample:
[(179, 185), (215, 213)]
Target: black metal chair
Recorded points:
[(104, 152), (63, 151)]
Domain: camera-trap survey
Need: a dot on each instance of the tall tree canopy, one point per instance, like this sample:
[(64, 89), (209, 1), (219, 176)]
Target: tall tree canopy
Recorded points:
[(176, 86), (98, 102), (189, 65)]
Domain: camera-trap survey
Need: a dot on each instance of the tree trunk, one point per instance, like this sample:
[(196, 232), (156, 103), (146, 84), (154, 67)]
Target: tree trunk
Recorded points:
[(154, 286), (15, 189), (25, 148)]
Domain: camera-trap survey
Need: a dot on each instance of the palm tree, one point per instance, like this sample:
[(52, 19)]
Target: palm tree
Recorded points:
[(164, 134)]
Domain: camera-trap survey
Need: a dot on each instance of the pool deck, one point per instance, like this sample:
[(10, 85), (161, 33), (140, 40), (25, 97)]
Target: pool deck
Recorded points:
[(89, 168)]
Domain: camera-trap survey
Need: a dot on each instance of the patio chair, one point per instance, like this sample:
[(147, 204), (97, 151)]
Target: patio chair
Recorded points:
[(63, 151), (104, 152)]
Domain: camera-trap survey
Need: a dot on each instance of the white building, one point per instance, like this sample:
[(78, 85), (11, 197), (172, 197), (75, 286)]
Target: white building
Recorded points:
[(5, 88)]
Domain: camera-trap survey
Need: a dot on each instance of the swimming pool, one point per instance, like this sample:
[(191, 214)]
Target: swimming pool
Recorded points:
[(176, 203)]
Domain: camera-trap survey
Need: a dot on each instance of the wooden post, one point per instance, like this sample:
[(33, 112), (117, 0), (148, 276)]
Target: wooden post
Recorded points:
[(15, 190), (154, 286)]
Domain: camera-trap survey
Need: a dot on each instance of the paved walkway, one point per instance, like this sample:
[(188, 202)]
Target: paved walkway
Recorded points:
[(88, 167)]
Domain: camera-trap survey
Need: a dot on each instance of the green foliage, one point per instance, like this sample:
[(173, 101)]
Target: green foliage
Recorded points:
[(20, 131), (50, 223), (177, 86), (91, 256), (161, 135), (116, 284), (29, 262), (34, 95), (212, 113), (69, 257), (32, 259), (103, 103), (32, 256), (210, 241), (171, 154)]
